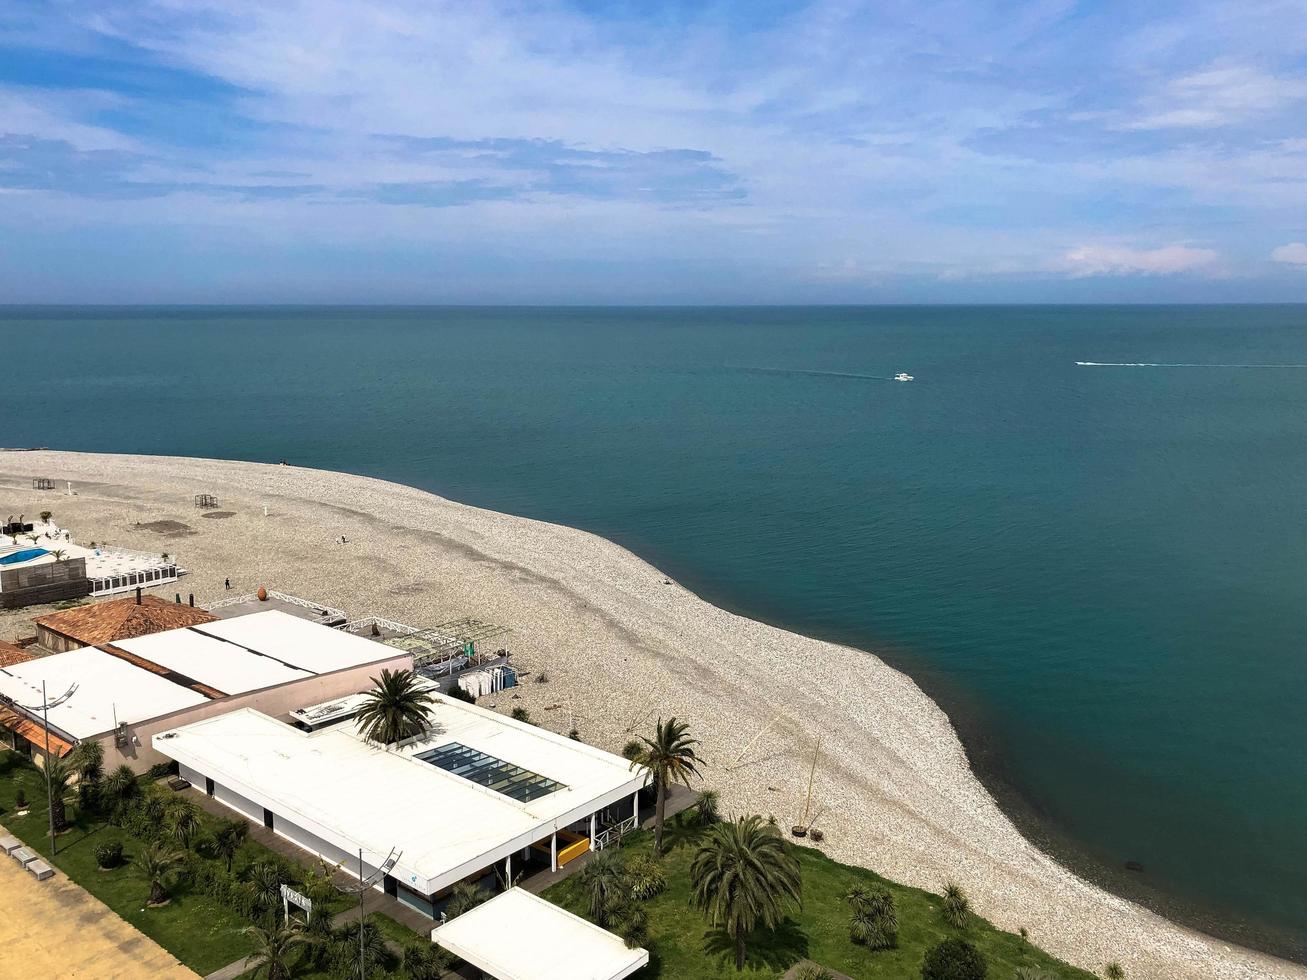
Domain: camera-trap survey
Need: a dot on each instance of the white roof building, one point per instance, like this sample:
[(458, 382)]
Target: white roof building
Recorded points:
[(268, 660), (547, 943), (470, 795), (107, 691)]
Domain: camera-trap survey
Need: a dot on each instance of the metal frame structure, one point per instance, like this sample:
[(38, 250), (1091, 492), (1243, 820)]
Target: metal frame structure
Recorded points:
[(448, 640), (42, 483), (206, 501)]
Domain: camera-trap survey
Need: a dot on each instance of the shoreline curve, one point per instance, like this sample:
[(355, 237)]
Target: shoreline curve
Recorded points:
[(621, 643)]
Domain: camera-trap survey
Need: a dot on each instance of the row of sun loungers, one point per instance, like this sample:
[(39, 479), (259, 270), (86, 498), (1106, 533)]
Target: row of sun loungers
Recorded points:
[(26, 857)]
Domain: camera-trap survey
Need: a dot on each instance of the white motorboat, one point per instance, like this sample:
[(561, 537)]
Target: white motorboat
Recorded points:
[(901, 376)]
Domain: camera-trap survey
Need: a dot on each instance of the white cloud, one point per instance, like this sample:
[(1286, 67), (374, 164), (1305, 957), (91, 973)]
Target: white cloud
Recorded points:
[(1119, 260), (1218, 97), (1294, 253)]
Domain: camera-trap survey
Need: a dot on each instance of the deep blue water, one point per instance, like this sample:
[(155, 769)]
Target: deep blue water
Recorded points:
[(1101, 571)]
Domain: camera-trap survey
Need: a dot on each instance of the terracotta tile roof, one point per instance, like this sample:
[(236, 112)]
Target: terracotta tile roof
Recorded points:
[(33, 731), (122, 619), (10, 655)]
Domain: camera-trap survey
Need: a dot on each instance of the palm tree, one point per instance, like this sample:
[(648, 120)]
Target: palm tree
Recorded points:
[(182, 821), (745, 876), (605, 884), (273, 949), (464, 898), (227, 839), (57, 554), (957, 907), (159, 866), (670, 758), (266, 879), (87, 762), (396, 708), (59, 774), (120, 785), (874, 922)]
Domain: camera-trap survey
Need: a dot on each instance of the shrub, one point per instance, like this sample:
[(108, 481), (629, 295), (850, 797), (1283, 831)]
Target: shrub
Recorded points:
[(957, 907), (574, 735), (161, 769), (1113, 971), (109, 854), (1032, 973), (521, 714), (705, 811), (458, 694), (542, 678), (20, 799), (953, 959), (632, 749), (815, 835), (425, 962), (646, 876), (811, 971), (874, 921)]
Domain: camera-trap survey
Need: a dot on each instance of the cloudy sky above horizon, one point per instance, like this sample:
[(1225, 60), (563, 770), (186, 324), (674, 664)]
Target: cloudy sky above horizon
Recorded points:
[(416, 151)]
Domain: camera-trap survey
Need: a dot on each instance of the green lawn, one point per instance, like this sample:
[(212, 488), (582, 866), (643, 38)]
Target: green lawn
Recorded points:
[(196, 929), (682, 946)]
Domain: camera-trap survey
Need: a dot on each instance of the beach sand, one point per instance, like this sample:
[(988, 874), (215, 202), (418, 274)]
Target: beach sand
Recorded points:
[(620, 646)]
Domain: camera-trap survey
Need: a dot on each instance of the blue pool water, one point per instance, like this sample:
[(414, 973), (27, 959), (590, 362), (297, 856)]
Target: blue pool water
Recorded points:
[(18, 557)]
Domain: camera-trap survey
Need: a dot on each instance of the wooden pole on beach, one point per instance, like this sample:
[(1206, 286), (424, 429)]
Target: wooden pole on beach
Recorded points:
[(807, 807)]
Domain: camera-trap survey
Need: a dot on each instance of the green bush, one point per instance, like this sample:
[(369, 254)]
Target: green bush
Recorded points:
[(458, 694), (647, 877), (521, 714), (811, 971), (873, 920), (109, 855), (957, 907), (632, 749), (953, 959), (425, 962)]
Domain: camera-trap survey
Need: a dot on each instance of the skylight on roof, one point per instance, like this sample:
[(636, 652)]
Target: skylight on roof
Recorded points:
[(503, 777)]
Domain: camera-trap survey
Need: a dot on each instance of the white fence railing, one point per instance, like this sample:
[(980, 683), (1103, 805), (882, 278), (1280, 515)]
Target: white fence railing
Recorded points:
[(612, 835), (127, 581), (294, 600), (366, 624)]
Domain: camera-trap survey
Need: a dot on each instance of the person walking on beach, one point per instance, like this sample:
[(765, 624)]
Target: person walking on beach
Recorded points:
[(226, 583)]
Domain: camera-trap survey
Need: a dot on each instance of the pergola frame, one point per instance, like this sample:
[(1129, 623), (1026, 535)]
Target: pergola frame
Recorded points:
[(450, 639)]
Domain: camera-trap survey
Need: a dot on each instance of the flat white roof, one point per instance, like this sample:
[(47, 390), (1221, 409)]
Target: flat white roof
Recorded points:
[(298, 642), (520, 936), (109, 689), (354, 794), (215, 663)]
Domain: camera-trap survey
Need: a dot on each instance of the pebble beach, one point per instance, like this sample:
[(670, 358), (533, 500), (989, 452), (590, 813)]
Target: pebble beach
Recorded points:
[(620, 645)]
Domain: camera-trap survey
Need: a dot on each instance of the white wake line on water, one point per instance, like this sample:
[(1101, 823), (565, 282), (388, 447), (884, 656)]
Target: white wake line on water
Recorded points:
[(1149, 364)]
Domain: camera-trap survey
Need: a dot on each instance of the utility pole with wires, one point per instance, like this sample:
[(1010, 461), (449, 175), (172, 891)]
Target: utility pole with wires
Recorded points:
[(46, 705), (365, 882)]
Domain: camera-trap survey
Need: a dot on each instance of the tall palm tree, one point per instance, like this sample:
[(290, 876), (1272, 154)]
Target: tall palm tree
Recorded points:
[(396, 708), (159, 866), (275, 947), (745, 876), (670, 758), (88, 760)]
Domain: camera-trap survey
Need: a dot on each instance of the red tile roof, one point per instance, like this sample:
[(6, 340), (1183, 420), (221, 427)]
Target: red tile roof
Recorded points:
[(10, 655), (122, 619)]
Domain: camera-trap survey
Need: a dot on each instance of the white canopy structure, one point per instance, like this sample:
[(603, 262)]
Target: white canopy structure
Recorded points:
[(520, 936)]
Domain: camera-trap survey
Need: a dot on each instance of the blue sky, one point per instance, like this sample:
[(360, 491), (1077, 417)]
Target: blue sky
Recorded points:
[(417, 151)]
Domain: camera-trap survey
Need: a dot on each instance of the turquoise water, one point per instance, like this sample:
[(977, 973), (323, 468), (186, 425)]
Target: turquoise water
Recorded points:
[(1100, 571)]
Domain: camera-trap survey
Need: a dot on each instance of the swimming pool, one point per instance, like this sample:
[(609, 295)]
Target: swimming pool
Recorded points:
[(18, 557)]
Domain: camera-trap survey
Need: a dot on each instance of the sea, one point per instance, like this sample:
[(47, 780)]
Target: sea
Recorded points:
[(1083, 530)]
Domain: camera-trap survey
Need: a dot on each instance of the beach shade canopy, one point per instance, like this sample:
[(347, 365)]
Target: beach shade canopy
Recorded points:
[(520, 936)]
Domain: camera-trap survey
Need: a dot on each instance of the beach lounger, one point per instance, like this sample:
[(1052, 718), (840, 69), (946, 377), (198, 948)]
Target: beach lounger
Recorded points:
[(40, 869), (24, 856), (10, 844)]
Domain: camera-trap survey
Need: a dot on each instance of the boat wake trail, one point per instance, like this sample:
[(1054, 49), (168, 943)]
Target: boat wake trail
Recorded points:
[(815, 374), (1153, 365)]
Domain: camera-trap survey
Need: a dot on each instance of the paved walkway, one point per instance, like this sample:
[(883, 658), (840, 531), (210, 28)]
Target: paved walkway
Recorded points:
[(54, 928)]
